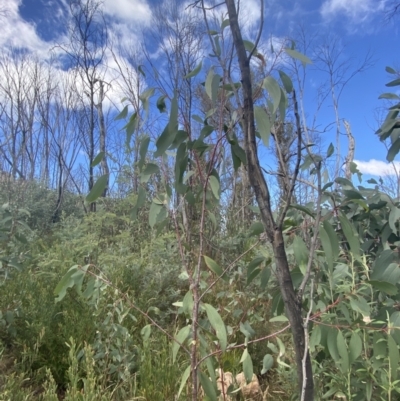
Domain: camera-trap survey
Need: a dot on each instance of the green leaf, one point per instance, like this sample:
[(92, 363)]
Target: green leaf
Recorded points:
[(252, 269), (98, 188), (384, 286), (390, 96), (213, 219), (393, 150), (355, 347), (300, 253), (256, 228), (274, 92), (330, 243), (265, 276), (214, 183), (394, 217), (286, 81), (140, 69), (187, 303), (144, 145), (263, 124), (195, 71), (268, 363), (123, 114), (360, 305), (173, 116), (208, 387), (283, 104), (395, 82), (217, 46), (161, 106), (330, 151), (280, 318), (303, 209), (224, 24), (342, 349), (255, 263), (390, 70), (247, 330), (379, 346), (295, 54), (238, 156), (212, 84), (185, 376), (65, 283), (145, 332), (144, 97), (155, 209), (97, 160), (350, 235), (249, 46), (206, 131), (151, 168), (315, 338), (214, 267), (141, 199), (218, 325), (393, 357), (231, 87), (180, 339), (165, 140), (247, 366), (331, 342)]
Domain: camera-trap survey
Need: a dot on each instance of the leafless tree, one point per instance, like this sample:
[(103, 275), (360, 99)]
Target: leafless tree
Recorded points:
[(86, 53)]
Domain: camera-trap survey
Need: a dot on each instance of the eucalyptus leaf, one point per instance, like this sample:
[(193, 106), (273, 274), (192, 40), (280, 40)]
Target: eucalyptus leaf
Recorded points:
[(184, 379), (215, 187), (268, 363), (218, 325), (299, 56), (180, 339), (97, 160), (195, 71), (98, 188), (286, 81), (274, 92)]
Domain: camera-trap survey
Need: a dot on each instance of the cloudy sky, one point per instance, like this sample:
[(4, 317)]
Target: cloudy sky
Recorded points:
[(359, 27)]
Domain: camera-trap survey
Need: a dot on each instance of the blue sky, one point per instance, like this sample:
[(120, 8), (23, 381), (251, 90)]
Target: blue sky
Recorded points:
[(358, 25)]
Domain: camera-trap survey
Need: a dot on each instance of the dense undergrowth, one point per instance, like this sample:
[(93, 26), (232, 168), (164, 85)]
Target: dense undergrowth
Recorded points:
[(104, 349), (112, 338)]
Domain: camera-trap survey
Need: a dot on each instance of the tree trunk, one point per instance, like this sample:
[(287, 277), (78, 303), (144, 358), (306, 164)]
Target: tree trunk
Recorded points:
[(274, 231), (102, 126)]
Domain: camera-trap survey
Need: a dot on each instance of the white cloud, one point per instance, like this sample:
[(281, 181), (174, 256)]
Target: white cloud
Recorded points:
[(129, 10), (378, 168), (356, 10), (15, 32), (250, 13)]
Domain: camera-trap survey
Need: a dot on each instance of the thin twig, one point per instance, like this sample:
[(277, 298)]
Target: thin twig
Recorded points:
[(314, 239), (297, 166), (227, 269), (260, 29)]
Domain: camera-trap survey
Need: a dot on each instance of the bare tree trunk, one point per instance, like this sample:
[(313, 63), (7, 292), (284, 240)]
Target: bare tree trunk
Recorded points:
[(102, 126)]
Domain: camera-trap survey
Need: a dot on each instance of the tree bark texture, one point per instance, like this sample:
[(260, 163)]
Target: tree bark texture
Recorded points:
[(261, 191)]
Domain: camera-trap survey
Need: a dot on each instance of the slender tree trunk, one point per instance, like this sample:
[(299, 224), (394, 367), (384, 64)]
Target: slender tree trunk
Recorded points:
[(91, 144), (274, 231), (102, 126)]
